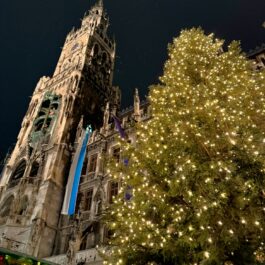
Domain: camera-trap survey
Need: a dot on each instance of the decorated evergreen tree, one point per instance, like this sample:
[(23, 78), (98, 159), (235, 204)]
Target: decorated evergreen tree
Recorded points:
[(196, 172)]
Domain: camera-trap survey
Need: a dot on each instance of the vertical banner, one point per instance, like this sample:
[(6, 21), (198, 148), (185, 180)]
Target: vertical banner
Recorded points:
[(75, 174)]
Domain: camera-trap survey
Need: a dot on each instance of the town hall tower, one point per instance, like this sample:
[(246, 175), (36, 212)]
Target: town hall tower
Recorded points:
[(34, 178)]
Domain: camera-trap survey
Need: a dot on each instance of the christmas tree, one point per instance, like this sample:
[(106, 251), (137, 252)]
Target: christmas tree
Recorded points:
[(196, 173)]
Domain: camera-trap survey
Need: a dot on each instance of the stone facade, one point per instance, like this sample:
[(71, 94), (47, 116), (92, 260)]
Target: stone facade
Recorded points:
[(96, 190), (35, 175)]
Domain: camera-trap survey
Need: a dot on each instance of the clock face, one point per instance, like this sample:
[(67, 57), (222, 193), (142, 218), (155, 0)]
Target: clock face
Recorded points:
[(75, 46)]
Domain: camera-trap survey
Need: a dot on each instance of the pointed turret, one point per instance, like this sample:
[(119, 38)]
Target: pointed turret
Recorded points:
[(136, 105), (99, 3)]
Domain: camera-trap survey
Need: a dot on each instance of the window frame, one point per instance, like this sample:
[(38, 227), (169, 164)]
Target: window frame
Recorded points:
[(112, 190), (88, 199), (93, 161)]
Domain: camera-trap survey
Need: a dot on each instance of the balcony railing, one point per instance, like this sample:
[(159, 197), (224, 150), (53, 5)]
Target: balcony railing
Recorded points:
[(88, 256), (89, 176), (30, 180)]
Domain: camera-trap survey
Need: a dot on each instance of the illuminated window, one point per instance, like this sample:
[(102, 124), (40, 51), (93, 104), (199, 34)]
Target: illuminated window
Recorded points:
[(113, 190)]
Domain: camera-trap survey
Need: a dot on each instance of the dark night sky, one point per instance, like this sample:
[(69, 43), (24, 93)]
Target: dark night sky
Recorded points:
[(32, 32)]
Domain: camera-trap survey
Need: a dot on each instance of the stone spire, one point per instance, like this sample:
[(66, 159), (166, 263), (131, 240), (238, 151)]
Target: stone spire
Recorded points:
[(136, 105), (106, 118), (99, 3)]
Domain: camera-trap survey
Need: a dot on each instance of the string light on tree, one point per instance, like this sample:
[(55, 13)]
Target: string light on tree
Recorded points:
[(197, 169)]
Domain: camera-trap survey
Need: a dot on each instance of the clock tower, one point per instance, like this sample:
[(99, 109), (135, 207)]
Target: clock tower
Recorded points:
[(33, 180)]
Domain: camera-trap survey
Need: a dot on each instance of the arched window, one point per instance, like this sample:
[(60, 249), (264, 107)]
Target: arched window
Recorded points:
[(34, 169), (45, 104), (42, 113), (54, 106), (17, 174), (6, 206), (39, 124)]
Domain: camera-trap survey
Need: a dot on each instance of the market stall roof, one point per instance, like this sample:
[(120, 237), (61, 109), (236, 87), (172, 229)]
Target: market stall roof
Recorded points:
[(17, 258)]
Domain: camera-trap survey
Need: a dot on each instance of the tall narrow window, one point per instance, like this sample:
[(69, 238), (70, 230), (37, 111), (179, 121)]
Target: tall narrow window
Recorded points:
[(84, 168), (93, 163), (88, 200), (78, 202), (34, 169), (113, 190), (17, 174)]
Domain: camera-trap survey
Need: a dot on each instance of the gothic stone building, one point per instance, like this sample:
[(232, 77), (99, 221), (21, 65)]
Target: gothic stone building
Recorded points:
[(34, 178)]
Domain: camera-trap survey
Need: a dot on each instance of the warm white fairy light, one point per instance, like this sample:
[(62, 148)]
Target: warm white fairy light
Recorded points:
[(197, 168)]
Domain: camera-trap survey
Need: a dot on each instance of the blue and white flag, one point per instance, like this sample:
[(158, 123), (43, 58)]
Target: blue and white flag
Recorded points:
[(75, 174)]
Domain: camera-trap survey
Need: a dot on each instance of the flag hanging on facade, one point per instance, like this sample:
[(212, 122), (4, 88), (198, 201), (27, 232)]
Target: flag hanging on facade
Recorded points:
[(123, 134), (75, 174), (119, 128)]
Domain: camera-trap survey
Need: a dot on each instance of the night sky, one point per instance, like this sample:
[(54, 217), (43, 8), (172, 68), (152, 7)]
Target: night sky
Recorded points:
[(32, 32)]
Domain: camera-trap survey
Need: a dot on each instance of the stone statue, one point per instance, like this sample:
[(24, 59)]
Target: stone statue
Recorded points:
[(106, 118), (79, 128)]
